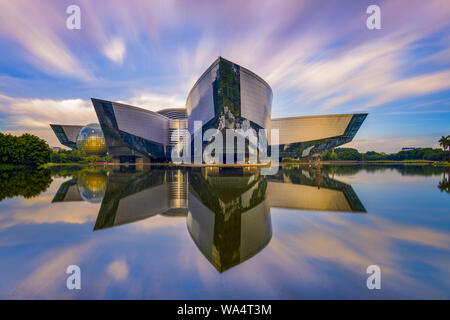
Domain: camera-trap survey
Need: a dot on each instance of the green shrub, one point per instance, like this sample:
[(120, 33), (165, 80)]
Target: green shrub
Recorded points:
[(27, 150)]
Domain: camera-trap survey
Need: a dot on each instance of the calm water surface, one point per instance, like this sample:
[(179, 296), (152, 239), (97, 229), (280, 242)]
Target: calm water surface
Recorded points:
[(203, 234)]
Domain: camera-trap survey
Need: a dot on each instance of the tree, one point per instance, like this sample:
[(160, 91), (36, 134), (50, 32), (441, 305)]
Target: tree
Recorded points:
[(448, 146), (35, 150), (77, 156), (26, 150), (444, 142)]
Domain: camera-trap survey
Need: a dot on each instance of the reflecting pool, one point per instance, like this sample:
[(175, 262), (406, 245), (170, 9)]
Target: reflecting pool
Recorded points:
[(210, 233)]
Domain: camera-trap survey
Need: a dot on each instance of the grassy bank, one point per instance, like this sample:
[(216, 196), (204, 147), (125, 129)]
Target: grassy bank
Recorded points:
[(442, 164), (81, 164), (376, 162), (413, 162)]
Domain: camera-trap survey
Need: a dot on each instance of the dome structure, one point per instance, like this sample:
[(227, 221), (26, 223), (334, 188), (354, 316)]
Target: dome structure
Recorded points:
[(91, 140), (92, 186)]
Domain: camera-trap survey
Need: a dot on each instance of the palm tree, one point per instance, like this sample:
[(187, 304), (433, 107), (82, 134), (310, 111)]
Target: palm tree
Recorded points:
[(448, 146), (444, 142)]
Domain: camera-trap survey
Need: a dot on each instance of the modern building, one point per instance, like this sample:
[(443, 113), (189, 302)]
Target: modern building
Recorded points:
[(133, 134), (88, 138), (226, 96)]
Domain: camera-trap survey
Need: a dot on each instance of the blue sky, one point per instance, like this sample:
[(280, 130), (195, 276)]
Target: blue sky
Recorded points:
[(318, 57)]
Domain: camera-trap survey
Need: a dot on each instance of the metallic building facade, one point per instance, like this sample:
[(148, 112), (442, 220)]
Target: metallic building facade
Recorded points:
[(256, 99), (91, 140), (177, 124), (200, 101), (315, 135), (67, 134), (226, 96), (132, 132)]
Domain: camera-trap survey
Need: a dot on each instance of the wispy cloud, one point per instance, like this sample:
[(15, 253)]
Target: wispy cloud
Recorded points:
[(37, 27), (38, 113), (155, 102), (115, 50), (35, 115), (318, 57)]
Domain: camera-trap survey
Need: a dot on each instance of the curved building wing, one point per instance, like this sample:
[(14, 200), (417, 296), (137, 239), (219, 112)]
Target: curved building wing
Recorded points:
[(315, 135), (67, 134), (200, 101), (256, 99), (132, 132), (231, 92)]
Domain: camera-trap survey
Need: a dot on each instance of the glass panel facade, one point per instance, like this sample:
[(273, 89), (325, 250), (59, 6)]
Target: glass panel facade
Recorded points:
[(59, 133), (227, 89), (354, 125), (114, 142), (142, 123), (177, 124), (62, 136), (200, 102), (256, 99), (311, 148), (309, 128), (91, 140), (218, 96), (343, 127), (120, 143)]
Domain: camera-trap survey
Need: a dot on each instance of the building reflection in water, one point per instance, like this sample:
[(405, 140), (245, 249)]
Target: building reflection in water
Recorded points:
[(86, 186), (303, 189), (229, 215), (135, 196), (227, 211)]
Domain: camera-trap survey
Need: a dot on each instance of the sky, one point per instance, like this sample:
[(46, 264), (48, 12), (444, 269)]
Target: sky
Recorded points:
[(318, 56)]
